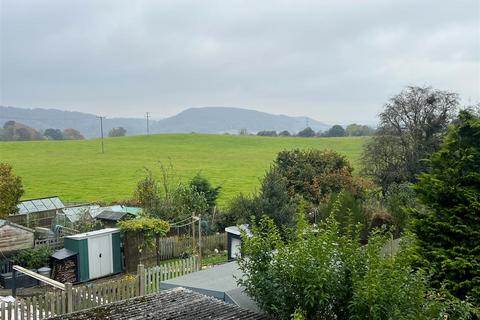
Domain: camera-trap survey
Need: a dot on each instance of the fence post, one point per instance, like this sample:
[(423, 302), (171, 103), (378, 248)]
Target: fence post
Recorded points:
[(69, 296), (200, 238), (14, 283), (198, 266), (141, 279)]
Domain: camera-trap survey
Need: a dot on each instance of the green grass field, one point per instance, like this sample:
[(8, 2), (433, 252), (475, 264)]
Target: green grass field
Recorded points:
[(78, 171)]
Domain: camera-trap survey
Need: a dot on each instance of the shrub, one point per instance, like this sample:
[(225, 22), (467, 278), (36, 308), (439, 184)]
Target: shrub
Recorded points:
[(239, 211), (147, 193), (398, 199), (150, 228), (34, 258), (347, 209), (86, 223), (11, 190), (315, 174), (186, 200), (202, 185), (321, 274), (273, 201)]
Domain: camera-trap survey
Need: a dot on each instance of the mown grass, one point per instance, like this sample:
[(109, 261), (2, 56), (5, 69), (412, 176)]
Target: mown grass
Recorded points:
[(78, 171)]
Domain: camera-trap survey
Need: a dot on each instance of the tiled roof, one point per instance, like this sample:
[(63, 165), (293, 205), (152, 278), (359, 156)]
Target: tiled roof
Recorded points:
[(178, 303)]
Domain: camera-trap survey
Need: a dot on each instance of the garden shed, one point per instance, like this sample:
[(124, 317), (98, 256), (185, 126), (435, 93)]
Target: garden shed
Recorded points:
[(234, 240), (14, 237), (99, 253)]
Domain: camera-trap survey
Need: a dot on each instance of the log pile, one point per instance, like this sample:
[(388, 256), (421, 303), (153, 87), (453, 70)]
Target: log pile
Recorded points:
[(65, 271)]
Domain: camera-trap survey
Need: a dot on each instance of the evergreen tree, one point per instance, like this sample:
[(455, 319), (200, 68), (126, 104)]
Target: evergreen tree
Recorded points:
[(448, 230)]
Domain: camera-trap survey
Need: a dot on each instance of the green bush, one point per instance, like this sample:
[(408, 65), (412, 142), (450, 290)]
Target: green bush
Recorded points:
[(239, 211), (273, 200), (202, 185), (322, 274), (34, 258), (398, 199), (316, 174)]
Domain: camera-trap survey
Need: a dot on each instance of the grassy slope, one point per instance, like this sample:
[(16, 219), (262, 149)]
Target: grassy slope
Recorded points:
[(77, 171)]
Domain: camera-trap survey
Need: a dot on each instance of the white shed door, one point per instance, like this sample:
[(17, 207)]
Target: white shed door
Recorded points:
[(100, 256), (235, 247)]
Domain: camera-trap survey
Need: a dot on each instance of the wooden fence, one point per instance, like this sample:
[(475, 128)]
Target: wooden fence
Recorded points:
[(91, 295), (169, 248), (176, 247)]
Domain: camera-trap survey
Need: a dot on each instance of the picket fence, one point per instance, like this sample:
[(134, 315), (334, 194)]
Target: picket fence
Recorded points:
[(154, 275), (87, 296)]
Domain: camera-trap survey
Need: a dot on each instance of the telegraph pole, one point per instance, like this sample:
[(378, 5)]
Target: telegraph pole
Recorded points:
[(148, 127), (101, 131)]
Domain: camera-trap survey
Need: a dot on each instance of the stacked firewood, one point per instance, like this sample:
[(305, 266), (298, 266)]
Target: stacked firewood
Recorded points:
[(65, 271)]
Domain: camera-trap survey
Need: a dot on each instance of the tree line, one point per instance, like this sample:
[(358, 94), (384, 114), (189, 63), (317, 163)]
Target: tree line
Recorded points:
[(16, 131), (352, 130)]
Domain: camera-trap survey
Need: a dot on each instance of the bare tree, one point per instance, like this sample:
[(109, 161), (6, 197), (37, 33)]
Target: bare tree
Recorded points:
[(410, 129)]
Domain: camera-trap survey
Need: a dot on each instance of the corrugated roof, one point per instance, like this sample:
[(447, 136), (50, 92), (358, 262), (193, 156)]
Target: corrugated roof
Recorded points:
[(172, 304)]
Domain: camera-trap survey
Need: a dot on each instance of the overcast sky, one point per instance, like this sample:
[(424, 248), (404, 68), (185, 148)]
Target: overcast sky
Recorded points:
[(335, 61)]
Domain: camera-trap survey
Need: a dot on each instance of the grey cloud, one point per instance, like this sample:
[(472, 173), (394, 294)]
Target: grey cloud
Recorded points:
[(336, 61)]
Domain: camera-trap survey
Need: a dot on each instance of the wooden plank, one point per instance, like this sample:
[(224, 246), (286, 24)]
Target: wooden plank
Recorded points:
[(39, 277), (15, 309), (34, 308), (22, 309), (63, 297), (40, 306), (4, 310), (29, 309)]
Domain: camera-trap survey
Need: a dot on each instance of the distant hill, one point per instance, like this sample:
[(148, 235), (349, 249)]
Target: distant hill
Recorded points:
[(200, 120), (87, 124), (224, 119)]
